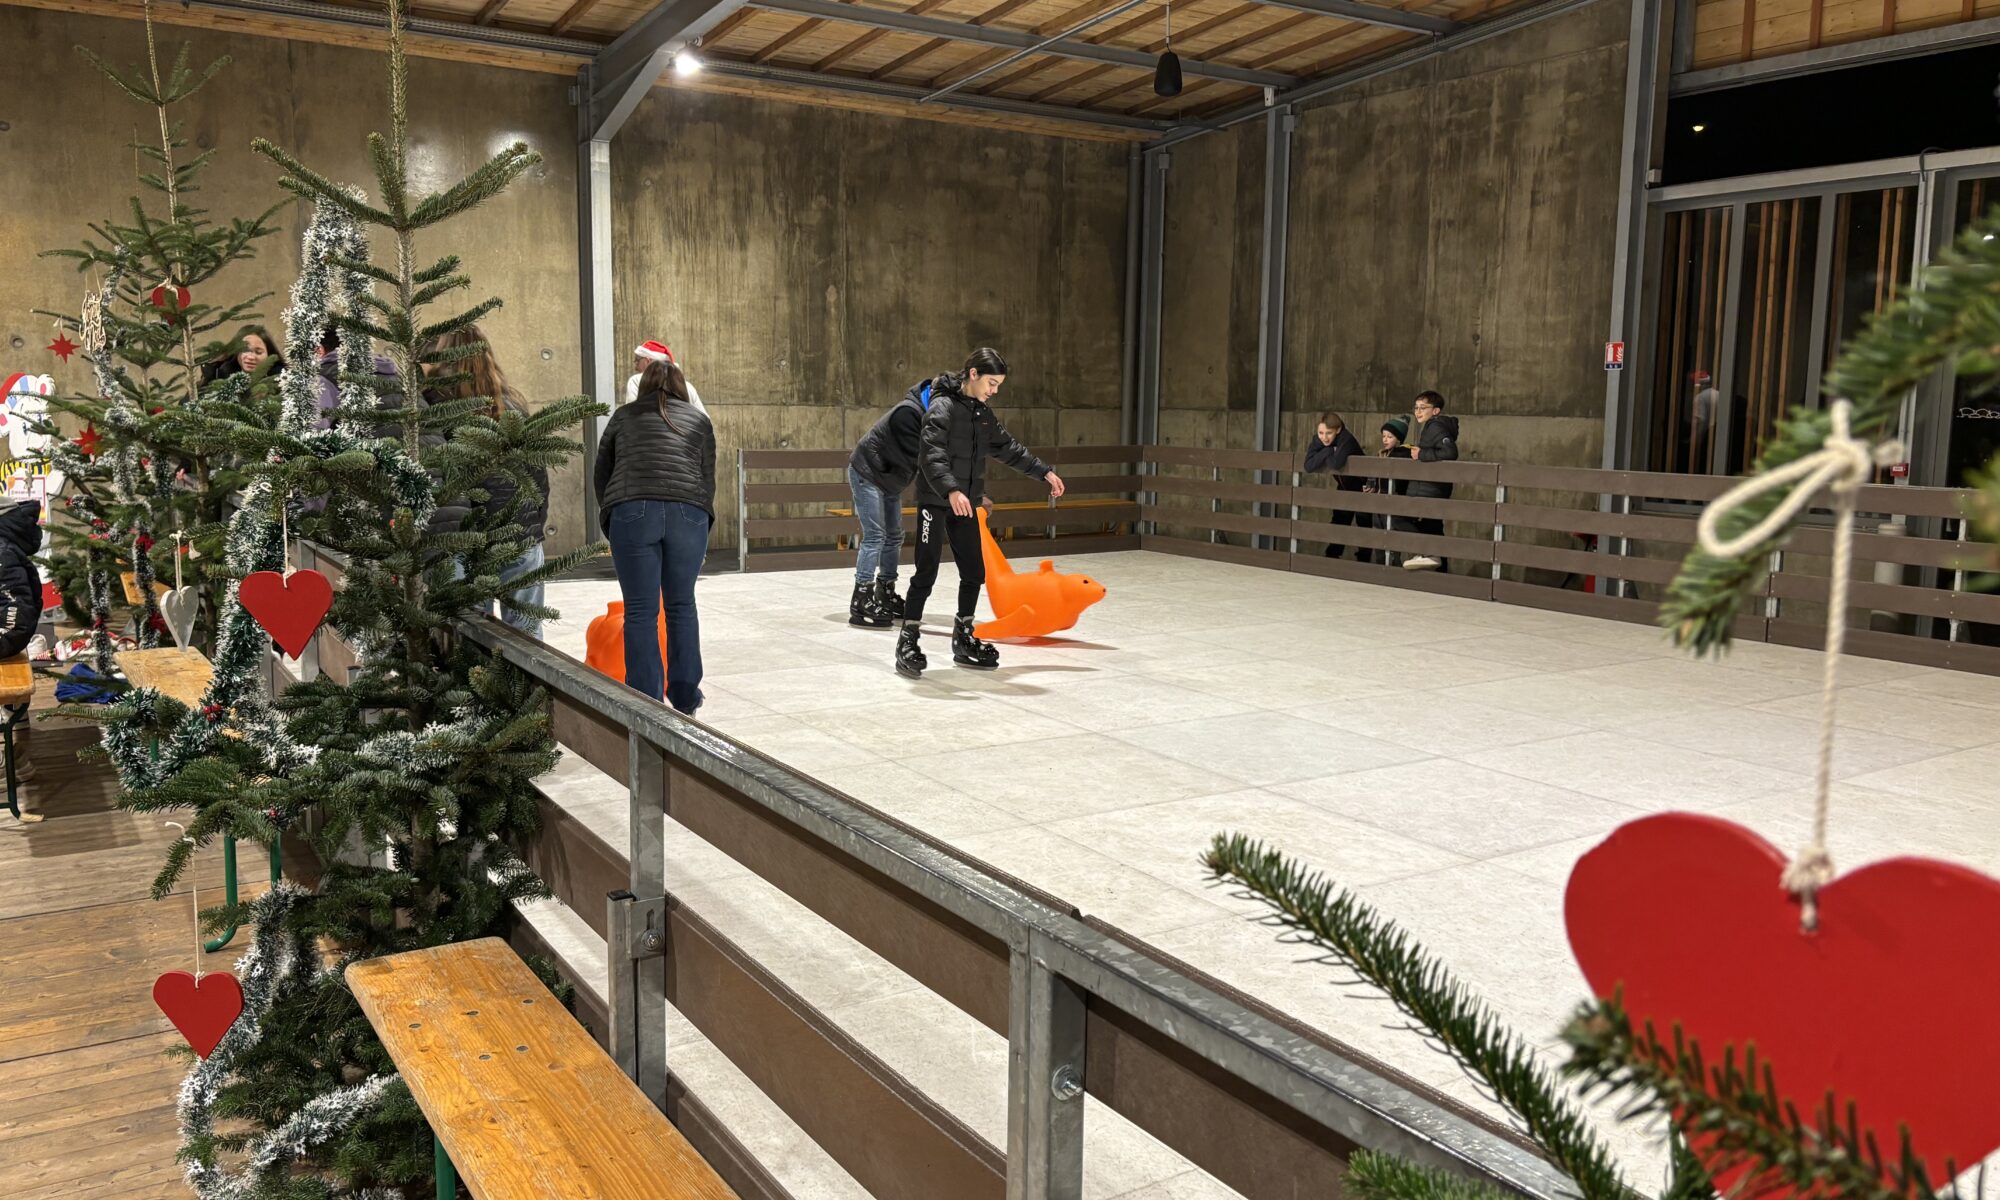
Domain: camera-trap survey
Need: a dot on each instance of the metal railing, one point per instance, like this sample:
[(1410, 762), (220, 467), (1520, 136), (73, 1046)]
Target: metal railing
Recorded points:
[(1266, 1105)]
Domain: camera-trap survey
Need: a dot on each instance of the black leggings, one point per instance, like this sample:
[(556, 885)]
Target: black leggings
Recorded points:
[(937, 524)]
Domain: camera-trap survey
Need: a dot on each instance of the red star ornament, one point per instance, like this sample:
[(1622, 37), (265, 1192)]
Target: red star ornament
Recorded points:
[(62, 347), (89, 440)]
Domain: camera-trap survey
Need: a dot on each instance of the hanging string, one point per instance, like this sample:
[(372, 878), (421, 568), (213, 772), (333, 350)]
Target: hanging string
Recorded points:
[(194, 890), (1842, 465), (180, 548)]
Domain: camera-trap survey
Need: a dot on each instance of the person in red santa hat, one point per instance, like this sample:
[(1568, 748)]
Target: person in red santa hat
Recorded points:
[(648, 353)]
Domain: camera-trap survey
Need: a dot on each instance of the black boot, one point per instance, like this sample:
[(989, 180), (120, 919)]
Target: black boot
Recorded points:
[(969, 651), (910, 660), (863, 611), (887, 600)]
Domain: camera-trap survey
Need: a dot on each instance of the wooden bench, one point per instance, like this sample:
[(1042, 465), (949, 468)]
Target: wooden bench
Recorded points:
[(182, 674), (526, 1105), (910, 513), (185, 675), (17, 687)]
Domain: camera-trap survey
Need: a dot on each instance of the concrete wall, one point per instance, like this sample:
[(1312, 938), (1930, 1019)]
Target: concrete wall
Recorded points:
[(67, 149), (1452, 228), (808, 264)]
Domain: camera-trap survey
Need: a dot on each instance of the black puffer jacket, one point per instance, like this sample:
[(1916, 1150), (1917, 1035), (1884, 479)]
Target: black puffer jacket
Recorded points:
[(641, 457), (1437, 441), (1333, 456), (20, 582), (886, 456), (957, 436), (500, 488)]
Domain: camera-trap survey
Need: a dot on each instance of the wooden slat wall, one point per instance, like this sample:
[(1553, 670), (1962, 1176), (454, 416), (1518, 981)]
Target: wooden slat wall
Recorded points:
[(1257, 509), (1731, 31)]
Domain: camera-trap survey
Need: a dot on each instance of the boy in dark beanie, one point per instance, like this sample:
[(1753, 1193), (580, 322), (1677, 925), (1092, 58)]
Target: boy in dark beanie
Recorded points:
[(958, 432), (1394, 430)]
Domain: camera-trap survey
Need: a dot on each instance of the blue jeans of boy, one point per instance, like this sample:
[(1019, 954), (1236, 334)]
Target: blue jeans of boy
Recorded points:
[(881, 517), (657, 548)]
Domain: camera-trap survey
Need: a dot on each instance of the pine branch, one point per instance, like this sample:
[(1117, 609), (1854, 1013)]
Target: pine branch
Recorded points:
[(1427, 992), (1947, 321), (1374, 1176), (1737, 1114)]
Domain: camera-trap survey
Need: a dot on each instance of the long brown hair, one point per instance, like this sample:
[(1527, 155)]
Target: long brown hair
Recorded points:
[(664, 380), (486, 377)]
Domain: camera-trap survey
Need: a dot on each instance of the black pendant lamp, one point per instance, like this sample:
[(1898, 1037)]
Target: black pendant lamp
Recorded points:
[(1167, 76)]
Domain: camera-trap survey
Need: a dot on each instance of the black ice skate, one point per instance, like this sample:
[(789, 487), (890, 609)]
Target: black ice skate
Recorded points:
[(863, 609), (910, 660), (887, 600), (969, 651)]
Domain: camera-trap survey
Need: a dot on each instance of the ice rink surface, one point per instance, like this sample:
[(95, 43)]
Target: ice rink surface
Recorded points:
[(1448, 759)]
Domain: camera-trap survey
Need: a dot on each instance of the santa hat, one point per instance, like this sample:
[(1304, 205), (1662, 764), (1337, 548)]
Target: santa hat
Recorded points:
[(657, 351)]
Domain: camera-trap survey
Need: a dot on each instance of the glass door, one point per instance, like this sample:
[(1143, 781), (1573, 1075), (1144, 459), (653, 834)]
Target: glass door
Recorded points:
[(1973, 421)]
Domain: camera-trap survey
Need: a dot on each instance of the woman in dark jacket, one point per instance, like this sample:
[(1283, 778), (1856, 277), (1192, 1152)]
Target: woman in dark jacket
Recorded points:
[(656, 500), (485, 378)]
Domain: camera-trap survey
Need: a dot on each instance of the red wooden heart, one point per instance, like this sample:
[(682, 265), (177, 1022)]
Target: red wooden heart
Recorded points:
[(203, 1012), (1889, 1004), (290, 610)]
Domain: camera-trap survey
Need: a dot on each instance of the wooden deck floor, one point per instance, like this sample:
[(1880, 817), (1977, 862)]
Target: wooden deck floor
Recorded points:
[(86, 1089)]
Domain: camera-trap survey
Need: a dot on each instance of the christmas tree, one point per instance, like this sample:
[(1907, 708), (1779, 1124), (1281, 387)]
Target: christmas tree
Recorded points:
[(152, 465), (423, 757)]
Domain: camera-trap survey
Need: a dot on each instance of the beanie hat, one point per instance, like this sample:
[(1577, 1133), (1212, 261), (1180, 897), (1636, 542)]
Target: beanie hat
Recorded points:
[(657, 351), (1400, 426)]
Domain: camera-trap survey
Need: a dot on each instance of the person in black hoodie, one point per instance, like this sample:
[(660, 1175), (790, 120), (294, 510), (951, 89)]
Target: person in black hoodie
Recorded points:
[(655, 482), (1437, 441), (882, 466), (958, 432), (20, 604), (1329, 450)]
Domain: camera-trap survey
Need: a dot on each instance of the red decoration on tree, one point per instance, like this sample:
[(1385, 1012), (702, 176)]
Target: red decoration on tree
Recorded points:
[(290, 610), (170, 297), (89, 440), (62, 347), (212, 711), (144, 542), (202, 1010), (1888, 1004)]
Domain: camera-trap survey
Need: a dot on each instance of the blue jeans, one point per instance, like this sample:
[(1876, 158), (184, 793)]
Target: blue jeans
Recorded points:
[(881, 517), (657, 548), (532, 594)]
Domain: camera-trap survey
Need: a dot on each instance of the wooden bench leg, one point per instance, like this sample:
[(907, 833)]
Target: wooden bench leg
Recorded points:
[(13, 785)]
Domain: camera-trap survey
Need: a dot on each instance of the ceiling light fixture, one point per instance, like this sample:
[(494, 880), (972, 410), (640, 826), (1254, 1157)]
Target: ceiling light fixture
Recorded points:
[(1167, 76), (685, 63)]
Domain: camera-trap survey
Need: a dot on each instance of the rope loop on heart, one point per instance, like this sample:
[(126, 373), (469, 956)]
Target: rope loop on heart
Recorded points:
[(1842, 465), (194, 894)]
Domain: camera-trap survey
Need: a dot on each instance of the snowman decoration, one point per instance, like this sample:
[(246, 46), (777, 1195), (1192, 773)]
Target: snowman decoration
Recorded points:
[(28, 474)]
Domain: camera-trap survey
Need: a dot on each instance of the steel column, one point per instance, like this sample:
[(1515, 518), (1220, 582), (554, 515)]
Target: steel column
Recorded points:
[(635, 943), (1135, 220), (1271, 309), (1045, 1061), (1645, 111), (1152, 264), (1816, 338), (594, 296), (1724, 420), (1152, 260)]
